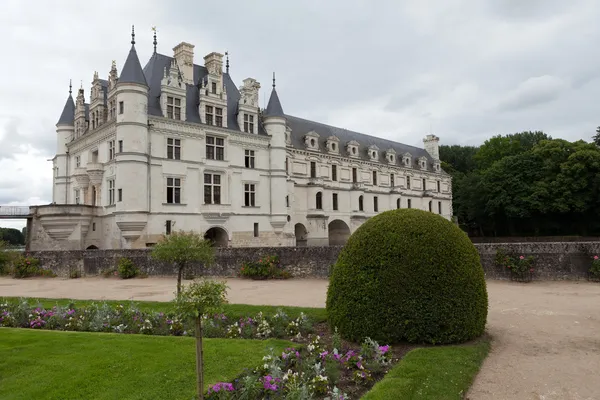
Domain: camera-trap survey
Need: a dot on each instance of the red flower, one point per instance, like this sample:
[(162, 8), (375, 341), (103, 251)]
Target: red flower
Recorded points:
[(531, 270), (509, 266)]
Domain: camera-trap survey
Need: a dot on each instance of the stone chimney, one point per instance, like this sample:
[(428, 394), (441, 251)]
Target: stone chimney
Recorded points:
[(184, 55), (214, 63), (432, 146)]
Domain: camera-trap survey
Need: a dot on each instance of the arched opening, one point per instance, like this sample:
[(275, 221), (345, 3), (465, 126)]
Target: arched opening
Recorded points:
[(218, 237), (93, 195), (360, 203), (301, 233), (92, 247), (319, 201), (431, 206), (339, 232), (398, 203)]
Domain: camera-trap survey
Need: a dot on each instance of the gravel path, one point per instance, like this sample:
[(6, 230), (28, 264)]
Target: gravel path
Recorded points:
[(546, 335)]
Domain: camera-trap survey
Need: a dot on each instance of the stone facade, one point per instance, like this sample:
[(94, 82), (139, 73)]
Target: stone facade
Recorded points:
[(553, 261), (177, 146)]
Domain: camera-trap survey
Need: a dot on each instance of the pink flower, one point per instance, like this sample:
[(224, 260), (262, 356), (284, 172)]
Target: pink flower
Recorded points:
[(531, 270), (522, 258), (595, 257)]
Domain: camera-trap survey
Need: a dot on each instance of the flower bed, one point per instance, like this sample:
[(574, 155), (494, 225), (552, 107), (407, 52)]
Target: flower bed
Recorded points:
[(101, 317), (265, 268), (520, 268), (310, 372)]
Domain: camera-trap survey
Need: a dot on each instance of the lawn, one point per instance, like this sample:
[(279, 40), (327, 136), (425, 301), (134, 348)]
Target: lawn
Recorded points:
[(80, 365), (233, 311), (440, 373)]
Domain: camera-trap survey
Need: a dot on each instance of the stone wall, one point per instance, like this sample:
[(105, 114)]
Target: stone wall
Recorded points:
[(553, 261)]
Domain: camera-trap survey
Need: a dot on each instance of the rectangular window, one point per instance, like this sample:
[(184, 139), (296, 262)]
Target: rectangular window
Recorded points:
[(119, 194), (111, 150), (439, 186), (120, 146), (249, 158), (215, 148), (287, 201), (392, 183), (209, 115), (287, 165), (439, 207), (334, 172), (313, 169), (354, 175), (212, 189), (77, 161), (430, 206), (173, 149), (256, 229), (408, 182), (218, 116), (173, 107), (249, 123), (173, 191), (335, 202), (249, 194), (93, 226), (77, 198), (375, 204), (111, 192), (214, 87), (374, 178), (121, 107), (424, 184), (168, 227), (408, 204)]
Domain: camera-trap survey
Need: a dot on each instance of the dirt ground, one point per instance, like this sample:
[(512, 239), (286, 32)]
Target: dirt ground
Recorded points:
[(546, 335)]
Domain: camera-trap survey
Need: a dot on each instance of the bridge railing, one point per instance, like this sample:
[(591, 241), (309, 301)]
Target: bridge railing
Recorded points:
[(14, 211)]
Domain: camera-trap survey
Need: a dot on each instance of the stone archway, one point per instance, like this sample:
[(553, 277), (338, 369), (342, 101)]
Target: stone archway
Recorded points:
[(339, 232), (301, 233), (92, 247), (218, 236)]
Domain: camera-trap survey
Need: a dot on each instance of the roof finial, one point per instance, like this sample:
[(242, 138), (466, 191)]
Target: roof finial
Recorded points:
[(227, 61), (132, 34), (81, 87), (155, 42), (70, 86), (273, 80)]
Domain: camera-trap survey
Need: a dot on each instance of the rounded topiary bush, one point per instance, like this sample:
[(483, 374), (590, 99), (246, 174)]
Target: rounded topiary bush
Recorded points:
[(408, 275)]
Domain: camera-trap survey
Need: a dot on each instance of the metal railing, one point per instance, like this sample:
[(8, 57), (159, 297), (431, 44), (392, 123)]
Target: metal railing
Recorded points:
[(14, 211)]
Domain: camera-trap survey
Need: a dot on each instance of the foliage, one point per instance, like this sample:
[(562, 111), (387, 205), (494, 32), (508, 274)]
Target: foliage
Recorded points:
[(25, 267), (181, 249), (268, 267), (596, 137), (201, 298), (77, 365), (12, 236), (441, 373), (127, 268), (595, 268), (408, 275), (5, 259)]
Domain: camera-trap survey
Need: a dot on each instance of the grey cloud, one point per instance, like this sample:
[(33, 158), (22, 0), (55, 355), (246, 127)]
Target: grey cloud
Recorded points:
[(532, 92)]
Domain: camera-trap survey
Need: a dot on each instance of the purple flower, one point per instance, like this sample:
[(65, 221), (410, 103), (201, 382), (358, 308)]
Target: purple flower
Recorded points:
[(384, 349)]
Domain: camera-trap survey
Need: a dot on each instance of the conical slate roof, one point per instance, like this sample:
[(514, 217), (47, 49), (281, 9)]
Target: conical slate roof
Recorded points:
[(274, 108), (132, 70), (68, 114)]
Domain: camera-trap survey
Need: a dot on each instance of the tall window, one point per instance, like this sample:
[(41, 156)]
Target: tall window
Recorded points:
[(77, 161), (111, 150), (439, 186), (334, 172), (218, 116), (319, 201), (249, 194), (408, 204), (256, 229), (408, 182), (430, 206), (173, 191), (173, 107), (173, 149), (214, 87), (374, 178), (209, 115), (360, 203), (287, 163), (111, 192), (424, 184), (215, 148), (335, 202), (120, 146), (439, 207), (398, 203), (119, 194), (392, 183), (249, 123), (313, 169), (249, 154), (121, 107), (77, 198), (375, 204), (354, 175), (212, 189), (168, 227), (287, 201)]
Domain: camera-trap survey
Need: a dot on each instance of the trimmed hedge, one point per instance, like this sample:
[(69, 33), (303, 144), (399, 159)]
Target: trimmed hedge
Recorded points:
[(408, 275)]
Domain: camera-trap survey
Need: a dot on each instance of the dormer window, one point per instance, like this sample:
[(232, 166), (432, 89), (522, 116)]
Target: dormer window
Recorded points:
[(436, 166), (407, 159), (173, 107), (249, 123), (333, 145), (352, 148), (311, 140), (422, 162), (390, 155), (373, 152), (214, 87)]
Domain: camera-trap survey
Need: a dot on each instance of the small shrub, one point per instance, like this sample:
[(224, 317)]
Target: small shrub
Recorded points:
[(5, 259), (127, 268), (26, 267), (519, 267), (594, 270), (266, 268), (107, 273), (74, 273)]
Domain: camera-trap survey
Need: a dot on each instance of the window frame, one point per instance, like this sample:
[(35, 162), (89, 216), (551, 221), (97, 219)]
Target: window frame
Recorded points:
[(374, 178), (375, 204), (111, 192), (219, 116), (313, 169), (334, 202), (248, 123), (121, 107), (249, 158), (209, 114), (214, 193), (215, 148), (334, 172), (174, 108), (111, 150), (249, 194), (173, 149), (361, 203), (319, 201), (173, 190)]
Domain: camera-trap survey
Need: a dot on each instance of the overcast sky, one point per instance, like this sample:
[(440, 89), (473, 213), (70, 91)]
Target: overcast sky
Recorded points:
[(463, 69)]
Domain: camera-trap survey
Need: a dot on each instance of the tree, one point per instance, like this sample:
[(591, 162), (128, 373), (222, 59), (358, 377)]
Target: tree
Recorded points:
[(181, 249), (499, 146), (596, 137), (12, 236), (196, 300)]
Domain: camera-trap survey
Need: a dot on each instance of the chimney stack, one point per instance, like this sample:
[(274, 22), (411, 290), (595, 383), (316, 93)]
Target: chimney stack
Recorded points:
[(184, 55)]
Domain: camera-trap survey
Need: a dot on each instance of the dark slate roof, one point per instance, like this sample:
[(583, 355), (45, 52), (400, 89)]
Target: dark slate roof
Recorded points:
[(274, 108), (132, 70), (300, 127), (68, 114)]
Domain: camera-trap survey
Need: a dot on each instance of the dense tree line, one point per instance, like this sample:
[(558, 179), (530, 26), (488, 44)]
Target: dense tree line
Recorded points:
[(526, 184), (12, 236)]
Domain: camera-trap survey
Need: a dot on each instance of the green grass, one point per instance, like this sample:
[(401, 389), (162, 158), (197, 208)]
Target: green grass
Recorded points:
[(80, 365), (433, 373), (234, 311)]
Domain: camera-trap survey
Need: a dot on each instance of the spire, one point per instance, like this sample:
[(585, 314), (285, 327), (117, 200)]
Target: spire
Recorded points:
[(274, 108), (68, 114), (132, 69), (154, 42), (227, 62)]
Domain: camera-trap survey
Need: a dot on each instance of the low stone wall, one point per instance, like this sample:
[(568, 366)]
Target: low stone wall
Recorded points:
[(553, 261)]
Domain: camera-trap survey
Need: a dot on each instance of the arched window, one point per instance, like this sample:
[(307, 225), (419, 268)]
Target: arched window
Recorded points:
[(430, 206), (360, 203), (319, 201), (398, 203)]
